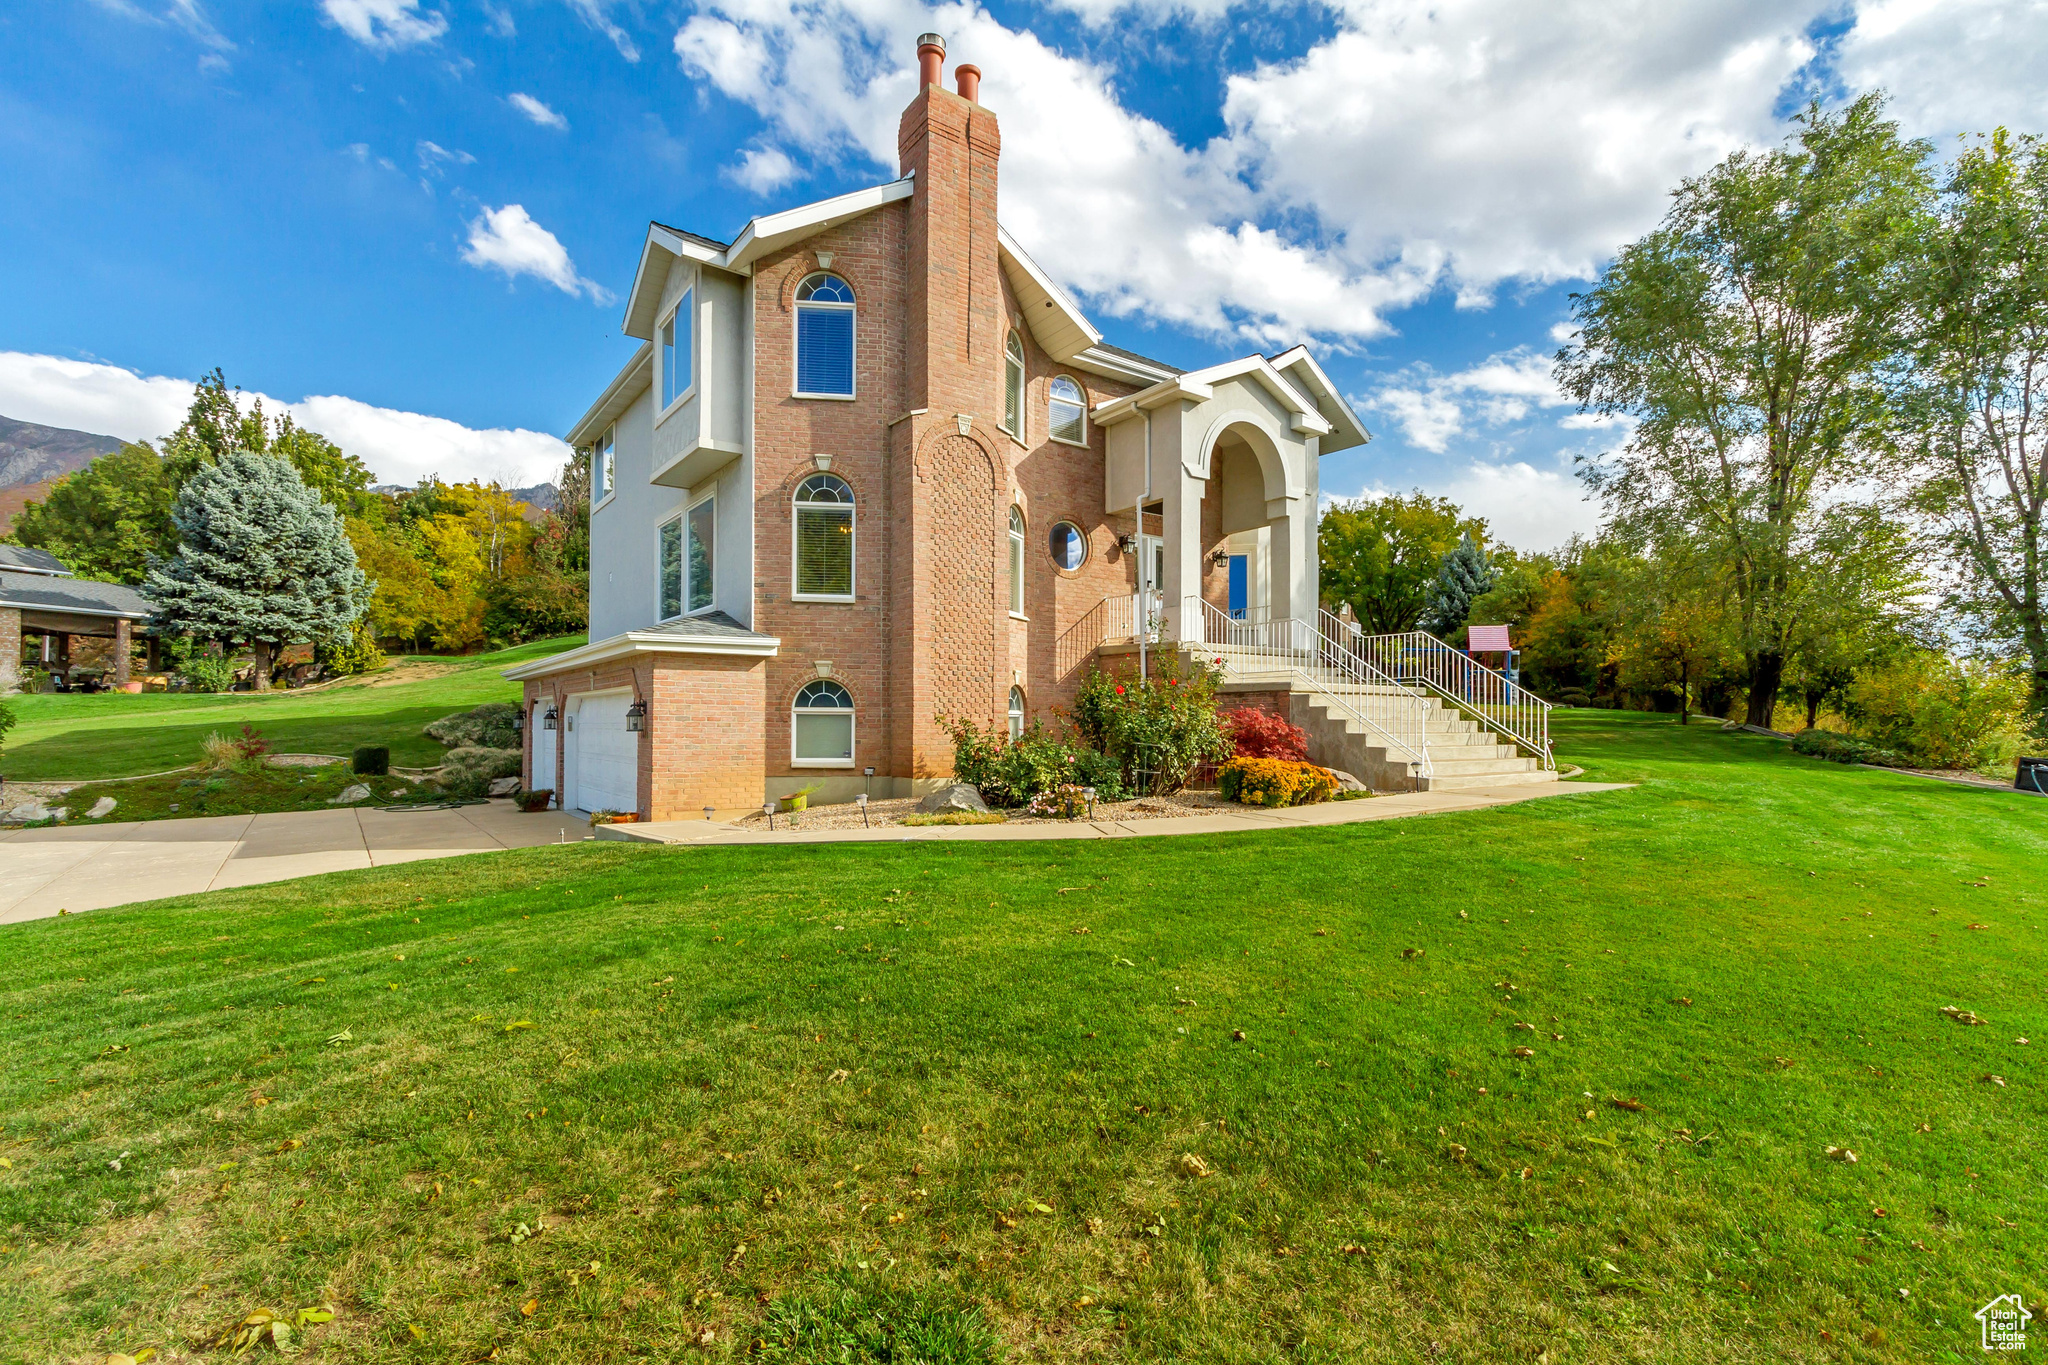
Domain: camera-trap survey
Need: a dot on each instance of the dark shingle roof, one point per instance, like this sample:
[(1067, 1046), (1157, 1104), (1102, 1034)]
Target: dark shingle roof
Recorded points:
[(1142, 359), (714, 625), (44, 592), (699, 238), (36, 561)]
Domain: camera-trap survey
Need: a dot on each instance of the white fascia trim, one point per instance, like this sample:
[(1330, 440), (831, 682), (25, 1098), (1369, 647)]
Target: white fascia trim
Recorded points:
[(1060, 299), (1119, 367), (624, 388), (775, 230), (46, 607), (644, 642), (1181, 388), (1311, 419), (683, 246), (1319, 379)]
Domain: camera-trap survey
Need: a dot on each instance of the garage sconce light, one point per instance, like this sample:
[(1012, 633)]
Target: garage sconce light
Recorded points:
[(518, 721), (1128, 544), (636, 716), (552, 720), (1219, 558)]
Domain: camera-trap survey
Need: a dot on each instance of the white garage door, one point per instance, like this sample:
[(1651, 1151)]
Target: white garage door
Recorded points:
[(607, 755), (543, 748)]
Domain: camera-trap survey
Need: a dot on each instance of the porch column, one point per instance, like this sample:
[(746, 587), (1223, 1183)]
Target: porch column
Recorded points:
[(10, 650), (1292, 535), (123, 643), (1180, 496)]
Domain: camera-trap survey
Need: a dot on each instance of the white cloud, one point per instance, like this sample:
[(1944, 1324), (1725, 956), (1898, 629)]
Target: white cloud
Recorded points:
[(538, 112), (1952, 65), (186, 15), (500, 21), (1506, 387), (594, 14), (762, 169), (399, 447), (433, 156), (508, 239), (385, 24), (1525, 506)]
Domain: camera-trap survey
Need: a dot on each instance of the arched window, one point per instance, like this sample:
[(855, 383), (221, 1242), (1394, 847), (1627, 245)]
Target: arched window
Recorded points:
[(824, 337), (1069, 546), (1016, 714), (821, 726), (1066, 411), (1013, 386), (824, 538), (1016, 561)]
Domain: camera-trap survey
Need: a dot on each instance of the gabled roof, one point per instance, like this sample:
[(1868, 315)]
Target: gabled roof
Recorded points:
[(1339, 429)]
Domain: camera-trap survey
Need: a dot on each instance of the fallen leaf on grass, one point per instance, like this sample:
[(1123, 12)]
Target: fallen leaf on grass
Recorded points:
[(1093, 1226), (1842, 1154), (1457, 1150), (1961, 1016), (1977, 926), (1237, 1035), (1524, 1052), (347, 1035), (1530, 1027), (1995, 1080), (1194, 1166), (518, 1023), (1413, 952), (839, 1077), (118, 1358), (708, 1337), (259, 1101), (529, 1308), (1682, 1000), (1527, 1171), (1351, 1249), (1633, 1106), (290, 1145)]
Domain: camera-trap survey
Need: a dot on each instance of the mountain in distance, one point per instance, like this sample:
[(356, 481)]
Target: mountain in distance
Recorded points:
[(32, 453)]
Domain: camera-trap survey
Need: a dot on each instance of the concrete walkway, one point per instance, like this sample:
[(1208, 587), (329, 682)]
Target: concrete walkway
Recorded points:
[(716, 832), (91, 866)]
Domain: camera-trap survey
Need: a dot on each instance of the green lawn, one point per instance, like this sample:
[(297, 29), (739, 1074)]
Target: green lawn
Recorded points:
[(938, 1101), (117, 735)]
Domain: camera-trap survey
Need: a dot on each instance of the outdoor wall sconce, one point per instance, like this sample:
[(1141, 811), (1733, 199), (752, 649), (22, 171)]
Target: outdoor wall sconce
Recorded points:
[(518, 721), (1219, 557), (1128, 544), (552, 720), (636, 716)]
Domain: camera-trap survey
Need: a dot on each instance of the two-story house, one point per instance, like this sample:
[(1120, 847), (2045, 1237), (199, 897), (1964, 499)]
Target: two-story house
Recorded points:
[(871, 466)]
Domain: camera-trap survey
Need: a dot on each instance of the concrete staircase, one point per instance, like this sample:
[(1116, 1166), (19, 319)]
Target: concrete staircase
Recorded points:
[(1462, 751)]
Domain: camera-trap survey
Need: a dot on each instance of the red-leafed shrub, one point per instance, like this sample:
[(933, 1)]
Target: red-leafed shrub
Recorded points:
[(1261, 734)]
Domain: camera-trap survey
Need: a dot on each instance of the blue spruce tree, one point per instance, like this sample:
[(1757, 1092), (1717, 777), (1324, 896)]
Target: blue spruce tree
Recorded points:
[(260, 558), (1464, 575)]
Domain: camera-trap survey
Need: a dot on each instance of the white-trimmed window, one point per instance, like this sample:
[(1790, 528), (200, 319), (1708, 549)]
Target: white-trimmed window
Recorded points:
[(675, 353), (824, 539), (821, 726), (1016, 561), (1016, 714), (824, 337), (1066, 411), (688, 550), (1013, 387), (604, 464), (1068, 545)]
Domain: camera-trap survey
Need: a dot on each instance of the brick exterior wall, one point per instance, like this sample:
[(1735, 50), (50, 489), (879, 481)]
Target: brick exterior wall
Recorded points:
[(934, 477)]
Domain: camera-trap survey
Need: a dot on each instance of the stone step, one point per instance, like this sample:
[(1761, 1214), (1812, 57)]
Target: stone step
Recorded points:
[(1460, 781)]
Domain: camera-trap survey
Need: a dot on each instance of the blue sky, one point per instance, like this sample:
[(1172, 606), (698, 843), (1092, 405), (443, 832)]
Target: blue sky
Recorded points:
[(411, 219)]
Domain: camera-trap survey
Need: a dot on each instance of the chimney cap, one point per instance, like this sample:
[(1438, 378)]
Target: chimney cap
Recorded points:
[(936, 40)]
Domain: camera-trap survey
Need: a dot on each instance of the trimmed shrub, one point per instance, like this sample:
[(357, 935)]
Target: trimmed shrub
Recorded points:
[(1008, 773), (209, 671), (1840, 748), (370, 760), (1261, 734), (487, 727), (1274, 782), (1943, 713)]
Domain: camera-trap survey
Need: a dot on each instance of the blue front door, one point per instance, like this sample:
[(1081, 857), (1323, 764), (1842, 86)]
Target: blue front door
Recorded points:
[(1240, 586)]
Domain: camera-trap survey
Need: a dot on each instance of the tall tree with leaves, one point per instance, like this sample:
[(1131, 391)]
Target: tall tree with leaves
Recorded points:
[(260, 558), (1746, 336), (1382, 554), (1977, 392), (107, 519)]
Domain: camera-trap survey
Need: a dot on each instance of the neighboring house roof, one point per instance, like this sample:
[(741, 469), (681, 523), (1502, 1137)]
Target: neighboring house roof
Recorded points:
[(25, 560), (75, 596), (712, 633)]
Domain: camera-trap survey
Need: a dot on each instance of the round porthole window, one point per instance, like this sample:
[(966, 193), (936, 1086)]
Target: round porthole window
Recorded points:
[(1069, 546)]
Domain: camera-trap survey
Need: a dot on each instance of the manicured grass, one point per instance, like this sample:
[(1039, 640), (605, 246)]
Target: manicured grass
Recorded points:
[(117, 735), (816, 1096)]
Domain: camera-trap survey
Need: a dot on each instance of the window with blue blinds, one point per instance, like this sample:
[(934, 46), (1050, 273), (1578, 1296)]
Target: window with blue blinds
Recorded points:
[(824, 337)]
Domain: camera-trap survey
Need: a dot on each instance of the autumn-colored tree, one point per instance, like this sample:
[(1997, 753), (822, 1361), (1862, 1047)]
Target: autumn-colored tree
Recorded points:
[(1383, 554)]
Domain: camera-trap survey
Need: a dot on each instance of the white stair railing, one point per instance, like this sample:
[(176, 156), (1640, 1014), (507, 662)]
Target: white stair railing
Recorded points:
[(1418, 659), (1342, 682)]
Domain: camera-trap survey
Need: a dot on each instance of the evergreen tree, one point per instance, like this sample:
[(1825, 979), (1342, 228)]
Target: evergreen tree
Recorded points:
[(1463, 575), (260, 558)]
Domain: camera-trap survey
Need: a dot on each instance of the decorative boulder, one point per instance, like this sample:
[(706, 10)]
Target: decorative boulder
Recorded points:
[(961, 796), (352, 793), (1346, 782), (504, 786), (101, 808), (487, 727)]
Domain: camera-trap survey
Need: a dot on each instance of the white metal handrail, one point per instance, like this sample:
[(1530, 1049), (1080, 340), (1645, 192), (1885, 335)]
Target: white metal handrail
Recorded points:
[(1342, 681), (1419, 659)]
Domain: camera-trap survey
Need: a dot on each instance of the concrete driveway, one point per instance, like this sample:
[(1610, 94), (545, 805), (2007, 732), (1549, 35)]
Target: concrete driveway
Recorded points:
[(92, 866)]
